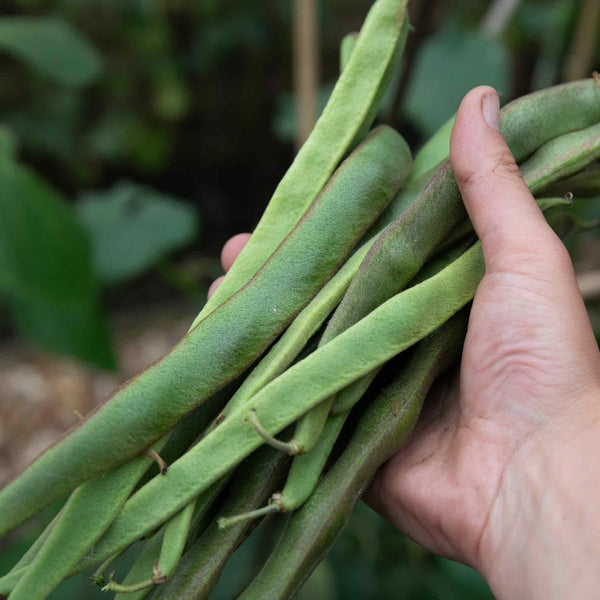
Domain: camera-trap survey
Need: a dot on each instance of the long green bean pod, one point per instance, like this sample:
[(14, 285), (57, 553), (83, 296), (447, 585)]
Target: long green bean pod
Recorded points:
[(346, 48), (87, 514), (203, 562), (160, 556), (386, 425), (400, 251), (309, 321), (393, 327), (348, 116), (110, 491), (225, 343)]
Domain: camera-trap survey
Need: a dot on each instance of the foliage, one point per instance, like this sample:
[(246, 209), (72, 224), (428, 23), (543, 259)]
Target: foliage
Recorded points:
[(45, 269), (132, 228), (51, 47), (447, 66)]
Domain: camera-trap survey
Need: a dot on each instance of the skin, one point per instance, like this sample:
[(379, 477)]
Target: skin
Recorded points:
[(502, 473)]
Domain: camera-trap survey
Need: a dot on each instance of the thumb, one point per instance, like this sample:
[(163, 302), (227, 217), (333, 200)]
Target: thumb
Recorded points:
[(503, 211)]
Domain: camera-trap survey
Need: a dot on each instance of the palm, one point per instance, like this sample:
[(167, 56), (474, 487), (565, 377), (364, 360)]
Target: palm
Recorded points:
[(518, 360)]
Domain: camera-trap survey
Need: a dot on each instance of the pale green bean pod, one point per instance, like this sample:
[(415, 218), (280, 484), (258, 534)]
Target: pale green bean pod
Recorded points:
[(345, 120), (226, 342), (387, 423), (393, 327), (204, 560)]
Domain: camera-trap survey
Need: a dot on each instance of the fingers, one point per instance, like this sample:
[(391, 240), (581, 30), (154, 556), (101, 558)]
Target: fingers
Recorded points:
[(232, 248), (214, 285), (230, 252), (502, 209)]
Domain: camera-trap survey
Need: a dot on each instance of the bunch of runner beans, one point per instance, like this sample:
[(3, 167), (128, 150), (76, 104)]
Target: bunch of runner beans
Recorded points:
[(360, 255)]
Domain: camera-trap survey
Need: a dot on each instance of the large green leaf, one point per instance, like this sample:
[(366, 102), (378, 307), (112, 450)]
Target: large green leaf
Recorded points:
[(45, 269), (51, 47), (447, 66), (132, 228)]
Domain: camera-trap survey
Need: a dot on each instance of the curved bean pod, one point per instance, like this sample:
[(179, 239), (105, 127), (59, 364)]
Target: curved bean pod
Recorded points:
[(345, 120), (86, 515), (393, 327), (226, 342), (387, 423), (203, 562), (400, 251), (562, 157), (346, 47)]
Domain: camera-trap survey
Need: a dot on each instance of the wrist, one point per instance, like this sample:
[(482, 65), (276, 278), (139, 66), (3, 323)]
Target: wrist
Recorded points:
[(543, 532)]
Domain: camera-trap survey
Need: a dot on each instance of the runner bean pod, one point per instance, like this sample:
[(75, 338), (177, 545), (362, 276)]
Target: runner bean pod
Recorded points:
[(226, 342), (387, 423), (345, 120), (393, 327)]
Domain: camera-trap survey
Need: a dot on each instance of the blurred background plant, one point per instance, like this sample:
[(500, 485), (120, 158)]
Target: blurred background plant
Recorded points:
[(136, 137)]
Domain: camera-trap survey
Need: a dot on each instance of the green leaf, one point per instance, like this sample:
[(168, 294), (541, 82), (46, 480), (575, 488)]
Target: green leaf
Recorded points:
[(51, 47), (9, 143), (45, 269), (132, 228), (447, 66)]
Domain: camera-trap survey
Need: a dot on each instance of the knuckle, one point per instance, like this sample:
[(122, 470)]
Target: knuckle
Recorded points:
[(499, 164)]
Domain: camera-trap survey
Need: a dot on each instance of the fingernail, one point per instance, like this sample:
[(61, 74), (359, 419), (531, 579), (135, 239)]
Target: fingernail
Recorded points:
[(491, 110)]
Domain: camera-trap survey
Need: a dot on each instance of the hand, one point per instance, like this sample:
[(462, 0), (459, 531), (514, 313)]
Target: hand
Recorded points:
[(502, 470), (505, 475), (229, 253)]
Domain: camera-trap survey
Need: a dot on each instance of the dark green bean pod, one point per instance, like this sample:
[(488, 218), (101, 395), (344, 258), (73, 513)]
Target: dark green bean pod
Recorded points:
[(202, 563), (401, 250), (581, 185), (386, 425), (346, 119), (220, 347), (156, 563)]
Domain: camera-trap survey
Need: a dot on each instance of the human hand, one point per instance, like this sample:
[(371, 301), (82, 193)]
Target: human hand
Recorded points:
[(503, 449), (496, 475)]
